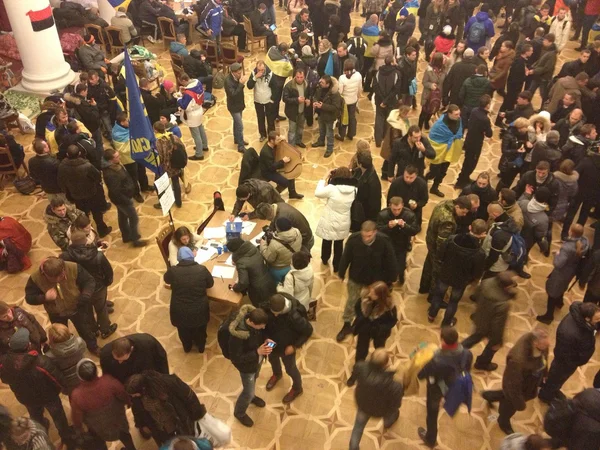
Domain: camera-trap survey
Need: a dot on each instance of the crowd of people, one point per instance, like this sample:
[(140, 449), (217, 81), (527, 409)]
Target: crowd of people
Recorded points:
[(479, 241)]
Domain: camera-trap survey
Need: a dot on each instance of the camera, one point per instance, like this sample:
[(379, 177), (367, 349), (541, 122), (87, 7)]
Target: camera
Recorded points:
[(268, 233)]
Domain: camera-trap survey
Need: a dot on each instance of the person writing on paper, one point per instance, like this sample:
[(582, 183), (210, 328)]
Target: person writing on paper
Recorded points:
[(182, 237), (255, 192), (189, 303)]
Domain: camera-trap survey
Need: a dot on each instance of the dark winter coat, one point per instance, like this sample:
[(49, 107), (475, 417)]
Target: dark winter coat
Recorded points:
[(86, 145), (462, 260), (529, 178), (260, 192), (575, 341), (519, 111), (499, 71), (298, 221), (386, 85), (567, 190), (235, 94), (195, 67), (253, 275), (589, 174), (369, 263), (78, 178), (44, 168), (331, 109), (65, 356), (289, 327), (88, 114), (585, 433), (486, 196), (153, 105), (416, 191), (453, 82), (290, 99), (373, 323), (543, 68), (575, 148), (249, 167), (544, 151), (565, 266), (405, 29), (480, 127), (33, 378), (524, 372), (516, 75), (119, 183), (267, 162), (403, 154), (189, 302), (244, 341), (492, 310), (408, 71), (535, 227), (369, 192), (147, 354), (445, 366), (400, 236), (472, 89), (22, 319), (512, 141), (377, 393), (91, 259)]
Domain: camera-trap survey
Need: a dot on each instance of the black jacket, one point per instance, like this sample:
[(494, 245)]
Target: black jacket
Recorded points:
[(33, 378), (290, 327), (78, 178), (458, 73), (88, 114), (512, 141), (153, 105), (290, 99), (405, 29), (462, 260), (403, 154), (519, 111), (445, 366), (235, 94), (516, 75), (119, 183), (480, 127), (386, 85), (267, 163), (575, 341), (575, 148), (400, 236), (486, 196), (369, 192), (408, 71), (91, 259), (195, 67), (44, 168), (86, 145), (147, 354), (369, 263), (416, 191), (331, 109), (298, 221), (550, 182), (249, 168), (377, 393), (244, 341), (102, 93), (589, 174), (585, 432), (189, 302), (260, 192), (253, 275), (375, 328)]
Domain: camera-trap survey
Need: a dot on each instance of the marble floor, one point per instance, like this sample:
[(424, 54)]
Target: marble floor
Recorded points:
[(322, 418)]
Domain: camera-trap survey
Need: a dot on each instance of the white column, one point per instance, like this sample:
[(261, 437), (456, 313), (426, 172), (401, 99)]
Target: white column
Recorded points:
[(44, 66), (106, 10)]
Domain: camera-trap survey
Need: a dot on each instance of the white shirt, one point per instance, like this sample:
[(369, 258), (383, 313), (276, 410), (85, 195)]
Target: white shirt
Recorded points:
[(350, 88)]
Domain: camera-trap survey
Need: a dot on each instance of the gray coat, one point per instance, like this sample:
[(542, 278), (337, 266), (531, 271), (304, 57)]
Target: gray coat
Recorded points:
[(535, 226), (65, 356), (565, 266)]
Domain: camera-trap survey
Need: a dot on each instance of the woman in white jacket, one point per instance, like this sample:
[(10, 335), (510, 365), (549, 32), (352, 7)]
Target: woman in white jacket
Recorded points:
[(334, 225), (182, 237)]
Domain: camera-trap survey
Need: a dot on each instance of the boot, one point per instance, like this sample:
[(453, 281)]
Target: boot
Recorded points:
[(345, 331), (436, 191)]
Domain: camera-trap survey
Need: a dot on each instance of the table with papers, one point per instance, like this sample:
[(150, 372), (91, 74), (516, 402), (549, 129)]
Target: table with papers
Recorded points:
[(221, 266)]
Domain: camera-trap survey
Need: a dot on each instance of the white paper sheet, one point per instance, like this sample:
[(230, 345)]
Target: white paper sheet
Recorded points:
[(162, 182), (205, 255), (223, 272), (229, 261), (214, 233), (167, 200)]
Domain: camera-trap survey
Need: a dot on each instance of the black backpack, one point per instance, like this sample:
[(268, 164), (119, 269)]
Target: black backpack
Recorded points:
[(179, 157), (559, 418), (223, 335)]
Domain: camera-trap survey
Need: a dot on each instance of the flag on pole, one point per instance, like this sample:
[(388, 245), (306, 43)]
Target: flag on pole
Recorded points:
[(141, 134), (119, 3)]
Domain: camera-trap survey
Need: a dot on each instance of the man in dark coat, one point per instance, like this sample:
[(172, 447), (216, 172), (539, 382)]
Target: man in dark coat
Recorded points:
[(234, 89), (275, 211), (458, 73), (269, 166), (289, 327), (575, 345), (480, 127), (369, 186), (400, 224), (255, 192), (412, 149), (471, 92), (87, 146), (377, 394), (462, 262), (523, 108), (247, 349), (14, 318), (43, 167), (564, 108), (153, 104), (36, 383), (89, 113), (443, 369), (585, 430), (568, 126), (328, 104), (386, 88), (484, 191), (515, 81), (81, 182), (525, 369), (368, 257), (572, 68), (189, 303), (412, 189)]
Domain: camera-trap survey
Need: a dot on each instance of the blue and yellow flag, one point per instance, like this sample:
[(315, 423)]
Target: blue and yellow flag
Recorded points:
[(141, 135), (119, 3)]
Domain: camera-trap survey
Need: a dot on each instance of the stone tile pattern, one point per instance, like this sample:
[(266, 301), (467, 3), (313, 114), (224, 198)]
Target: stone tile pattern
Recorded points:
[(323, 417)]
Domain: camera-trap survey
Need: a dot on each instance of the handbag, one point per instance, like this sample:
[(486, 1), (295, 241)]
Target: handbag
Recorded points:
[(25, 185), (217, 432), (412, 87), (219, 80)]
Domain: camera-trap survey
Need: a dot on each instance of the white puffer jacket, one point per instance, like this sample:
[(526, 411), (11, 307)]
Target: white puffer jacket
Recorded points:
[(299, 284), (334, 224)]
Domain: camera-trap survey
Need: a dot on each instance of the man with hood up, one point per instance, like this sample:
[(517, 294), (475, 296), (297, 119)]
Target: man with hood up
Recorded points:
[(479, 29)]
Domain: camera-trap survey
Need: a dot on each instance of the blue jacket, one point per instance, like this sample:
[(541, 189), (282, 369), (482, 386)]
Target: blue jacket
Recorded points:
[(483, 18), (179, 48), (213, 18)]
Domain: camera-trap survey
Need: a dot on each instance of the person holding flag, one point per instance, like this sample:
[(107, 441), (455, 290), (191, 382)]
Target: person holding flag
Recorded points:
[(192, 113)]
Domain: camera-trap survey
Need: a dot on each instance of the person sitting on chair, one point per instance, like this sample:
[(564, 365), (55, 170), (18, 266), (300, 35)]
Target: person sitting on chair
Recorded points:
[(269, 166)]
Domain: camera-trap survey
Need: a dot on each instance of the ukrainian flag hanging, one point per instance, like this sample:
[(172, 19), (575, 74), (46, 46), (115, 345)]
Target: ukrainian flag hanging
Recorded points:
[(119, 3)]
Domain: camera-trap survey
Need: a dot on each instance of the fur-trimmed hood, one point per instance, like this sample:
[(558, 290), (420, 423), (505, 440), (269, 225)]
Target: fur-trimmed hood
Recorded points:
[(238, 327), (541, 117), (566, 178)]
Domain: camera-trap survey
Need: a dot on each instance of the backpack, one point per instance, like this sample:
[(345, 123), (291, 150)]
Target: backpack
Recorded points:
[(583, 266), (223, 335), (518, 252), (179, 157), (434, 102), (477, 33), (25, 185), (357, 215), (559, 417), (461, 390)]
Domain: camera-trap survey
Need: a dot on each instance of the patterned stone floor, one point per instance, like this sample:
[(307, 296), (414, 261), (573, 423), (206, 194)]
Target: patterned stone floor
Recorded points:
[(323, 417)]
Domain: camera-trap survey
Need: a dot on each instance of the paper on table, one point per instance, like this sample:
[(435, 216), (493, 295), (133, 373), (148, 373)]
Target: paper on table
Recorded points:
[(214, 232), (223, 272), (229, 260), (205, 255), (258, 237)]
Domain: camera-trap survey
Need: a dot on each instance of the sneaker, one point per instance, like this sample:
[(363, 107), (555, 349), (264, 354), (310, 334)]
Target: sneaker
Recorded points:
[(110, 310), (488, 367), (245, 420), (296, 196), (430, 319), (138, 198), (351, 381), (259, 402), (578, 49), (291, 396), (435, 191), (345, 331), (546, 318), (338, 137), (197, 158), (301, 145), (205, 149), (157, 206), (318, 144), (106, 232), (272, 382), (111, 329), (423, 435), (140, 243)]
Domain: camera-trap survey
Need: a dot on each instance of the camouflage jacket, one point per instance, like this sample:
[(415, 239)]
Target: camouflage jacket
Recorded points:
[(442, 224), (58, 226)]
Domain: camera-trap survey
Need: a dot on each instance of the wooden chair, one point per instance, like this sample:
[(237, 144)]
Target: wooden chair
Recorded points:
[(162, 240), (115, 40), (229, 39), (251, 39), (96, 31), (229, 53), (148, 26), (177, 60), (8, 166), (212, 54), (167, 29)]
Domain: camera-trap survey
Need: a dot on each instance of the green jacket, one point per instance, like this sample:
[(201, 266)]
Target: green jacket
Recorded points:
[(543, 68), (472, 89), (442, 224), (331, 109), (492, 310)]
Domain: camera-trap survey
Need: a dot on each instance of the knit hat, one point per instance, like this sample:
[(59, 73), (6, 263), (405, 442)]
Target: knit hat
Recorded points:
[(78, 237), (404, 12), (363, 145), (185, 253), (306, 50), (469, 53), (19, 342), (447, 30), (234, 244), (168, 85), (283, 224), (235, 67)]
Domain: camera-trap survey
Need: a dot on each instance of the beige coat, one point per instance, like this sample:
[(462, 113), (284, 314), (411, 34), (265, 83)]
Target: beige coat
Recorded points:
[(558, 91), (275, 252)]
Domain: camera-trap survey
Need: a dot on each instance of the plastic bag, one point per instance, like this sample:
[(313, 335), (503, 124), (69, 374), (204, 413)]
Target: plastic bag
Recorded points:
[(214, 430), (26, 124)]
